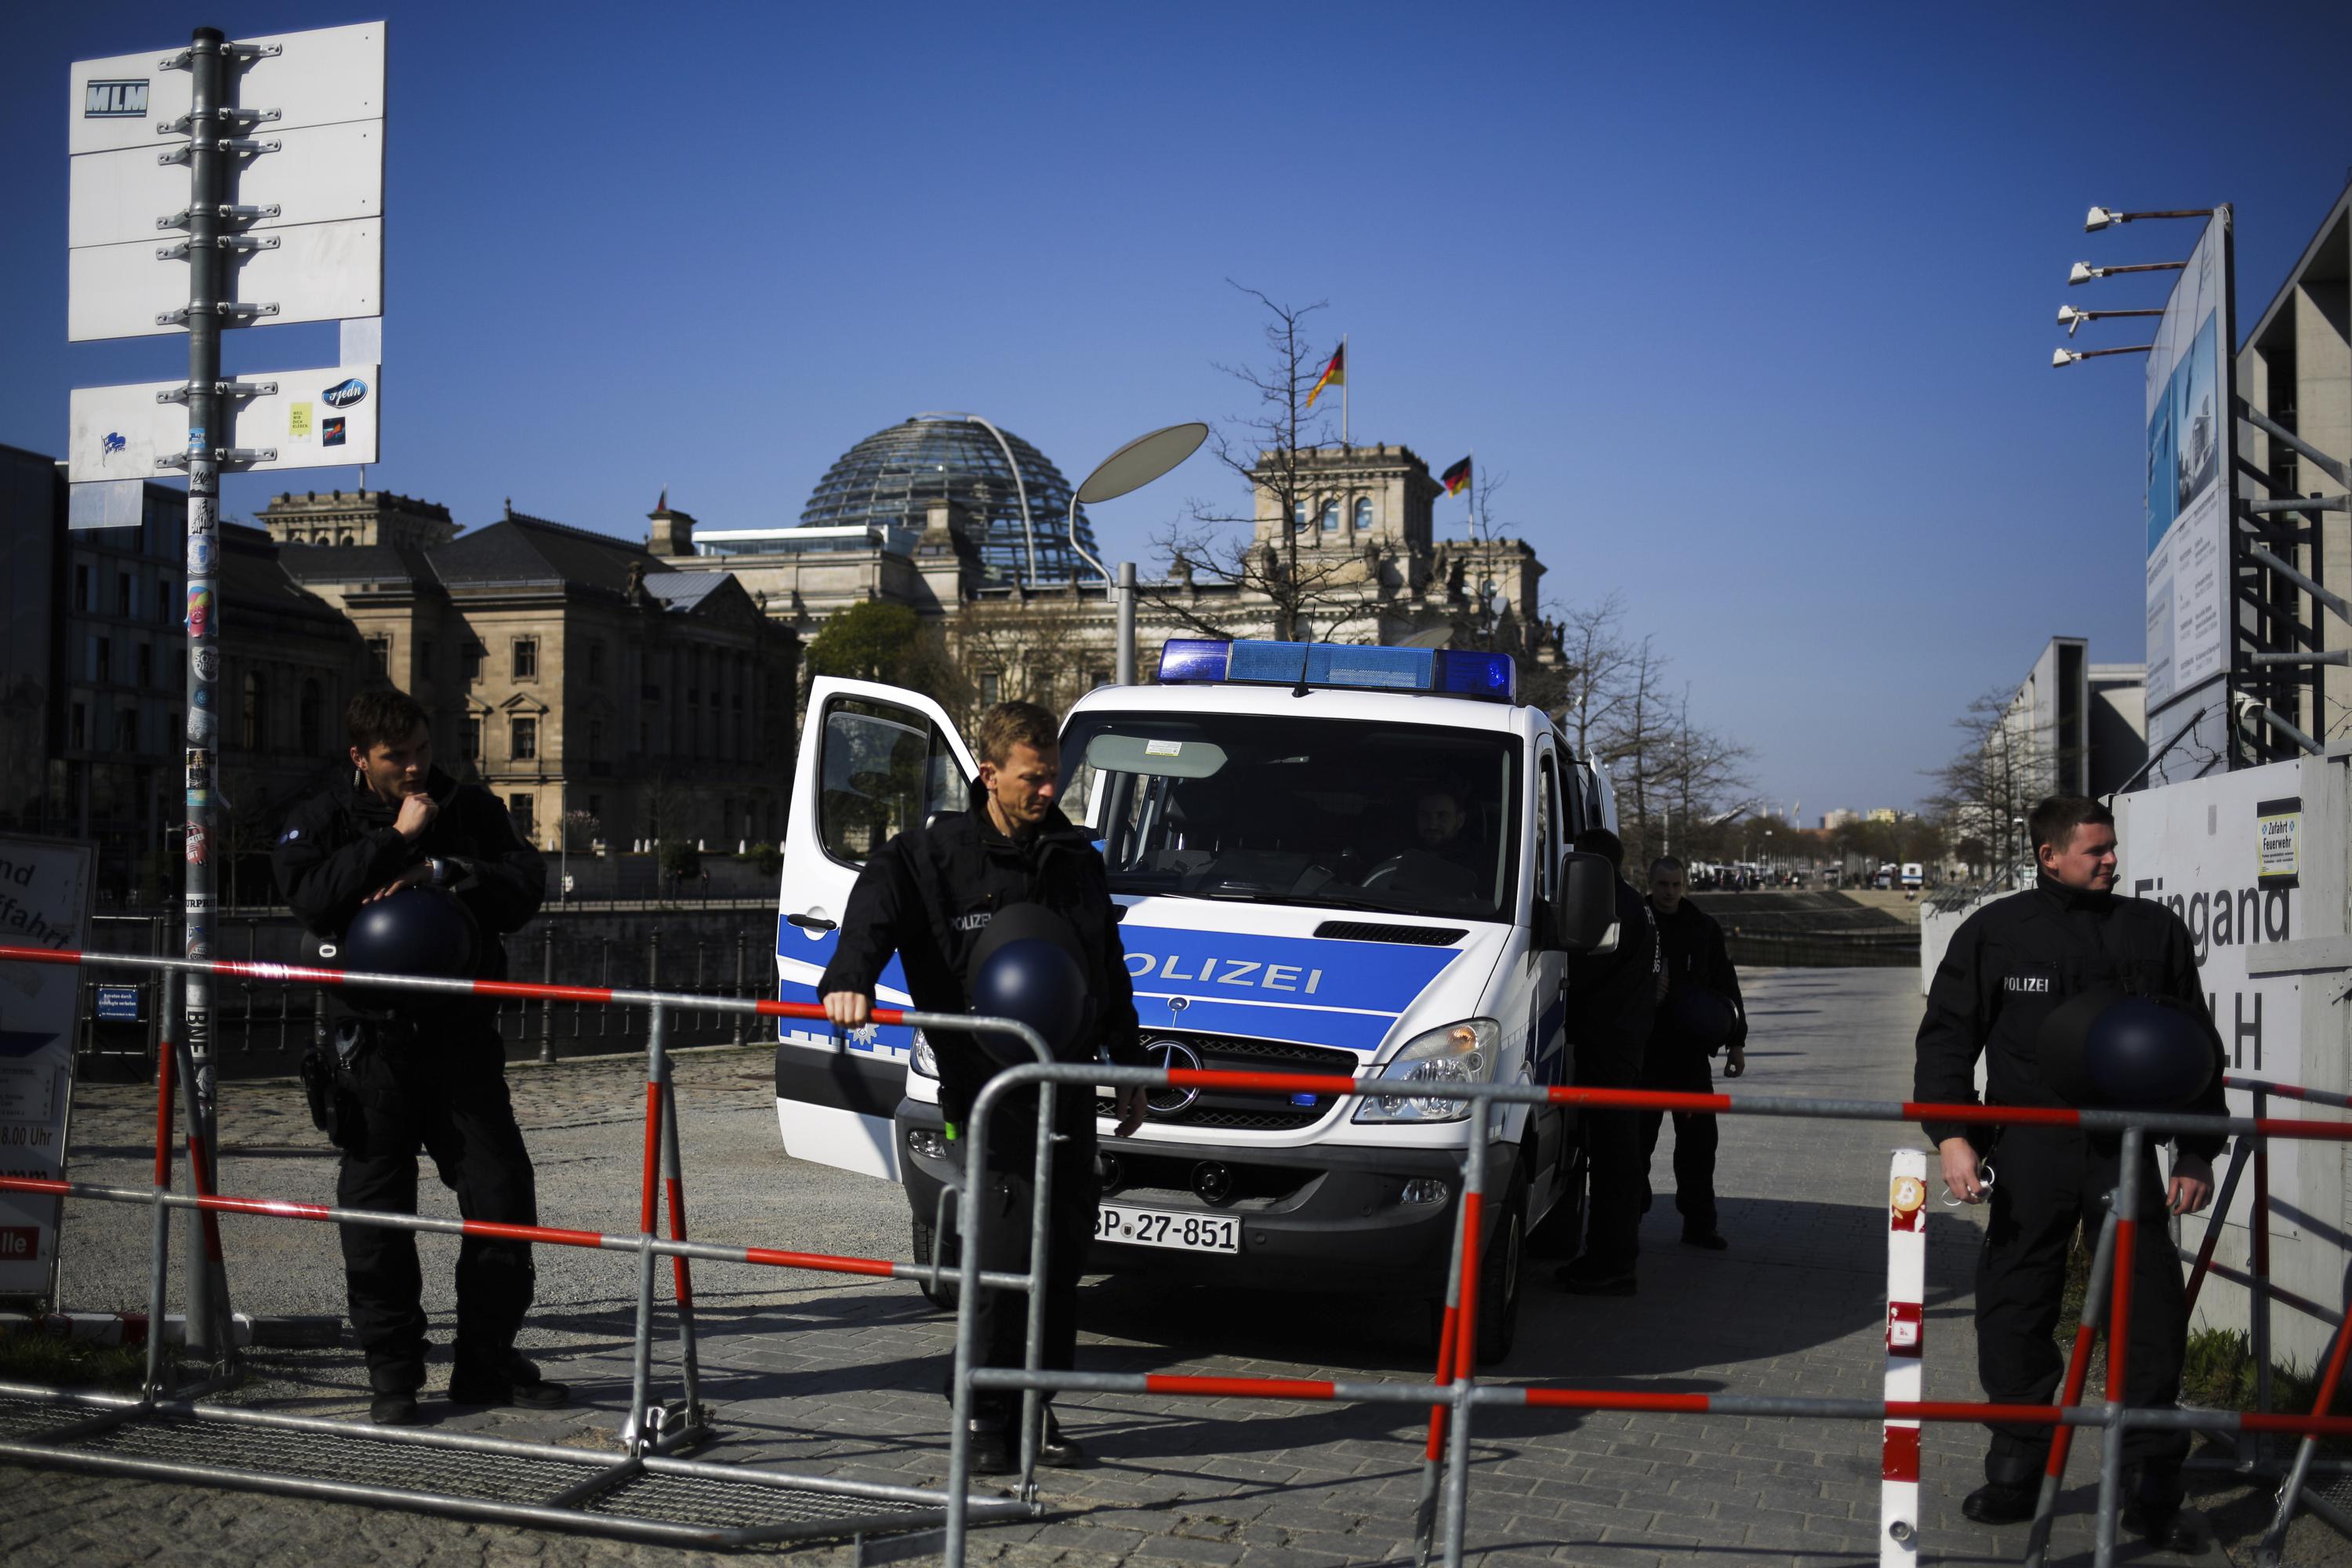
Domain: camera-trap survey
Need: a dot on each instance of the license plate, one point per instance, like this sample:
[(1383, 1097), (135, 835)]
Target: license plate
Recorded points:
[(1155, 1227)]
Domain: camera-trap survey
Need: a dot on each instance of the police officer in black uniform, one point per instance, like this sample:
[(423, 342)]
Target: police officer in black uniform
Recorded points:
[(1612, 1001), (929, 895), (1675, 1058), (422, 1071), (2010, 965)]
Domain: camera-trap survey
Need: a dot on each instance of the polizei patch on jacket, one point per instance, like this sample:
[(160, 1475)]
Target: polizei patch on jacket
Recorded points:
[(2026, 984)]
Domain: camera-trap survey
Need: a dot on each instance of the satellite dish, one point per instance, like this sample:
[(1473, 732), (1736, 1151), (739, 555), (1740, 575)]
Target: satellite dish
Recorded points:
[(1140, 461)]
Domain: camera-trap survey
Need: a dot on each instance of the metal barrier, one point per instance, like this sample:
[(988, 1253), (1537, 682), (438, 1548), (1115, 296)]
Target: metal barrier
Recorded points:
[(2260, 1292), (1458, 1392), (589, 1489), (648, 1493)]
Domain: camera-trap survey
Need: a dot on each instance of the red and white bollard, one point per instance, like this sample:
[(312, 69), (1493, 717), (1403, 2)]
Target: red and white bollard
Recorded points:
[(1906, 1288)]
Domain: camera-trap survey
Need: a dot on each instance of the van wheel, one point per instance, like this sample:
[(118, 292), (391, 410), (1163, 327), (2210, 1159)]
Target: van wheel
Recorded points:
[(944, 1297), (1499, 1271), (1500, 1268)]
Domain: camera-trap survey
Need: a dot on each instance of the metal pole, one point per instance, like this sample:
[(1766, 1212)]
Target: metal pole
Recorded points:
[(2078, 1366), (1433, 1450), (1466, 1343), (205, 1278), (742, 1024), (673, 1172), (1126, 622), (2258, 1267), (208, 290), (547, 1013), (2126, 1210), (158, 1260), (633, 1434), (1033, 1406)]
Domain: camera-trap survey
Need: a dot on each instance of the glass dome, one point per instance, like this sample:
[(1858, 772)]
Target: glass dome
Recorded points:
[(890, 479)]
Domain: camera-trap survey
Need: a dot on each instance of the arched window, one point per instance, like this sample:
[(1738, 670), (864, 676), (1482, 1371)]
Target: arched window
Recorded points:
[(1363, 514), (254, 730), (1331, 516), (1299, 517), (306, 718)]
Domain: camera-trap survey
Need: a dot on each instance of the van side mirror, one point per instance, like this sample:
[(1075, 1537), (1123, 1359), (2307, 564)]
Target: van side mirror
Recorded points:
[(1587, 903)]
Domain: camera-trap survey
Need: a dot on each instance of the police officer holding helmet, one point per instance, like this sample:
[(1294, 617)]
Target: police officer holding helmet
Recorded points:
[(2002, 990), (414, 1070), (930, 895)]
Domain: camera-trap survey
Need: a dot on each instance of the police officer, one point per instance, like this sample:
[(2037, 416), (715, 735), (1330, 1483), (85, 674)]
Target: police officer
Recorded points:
[(1702, 991), (2009, 967), (422, 1071), (1612, 1000), (929, 895)]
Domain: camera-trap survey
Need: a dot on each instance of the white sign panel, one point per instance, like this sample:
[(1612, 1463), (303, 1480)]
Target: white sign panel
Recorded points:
[(43, 902), (2190, 483), (319, 77), (316, 419), (318, 176), (2199, 848), (320, 272)]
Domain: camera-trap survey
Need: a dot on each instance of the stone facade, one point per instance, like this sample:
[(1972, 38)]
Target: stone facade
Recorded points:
[(596, 688)]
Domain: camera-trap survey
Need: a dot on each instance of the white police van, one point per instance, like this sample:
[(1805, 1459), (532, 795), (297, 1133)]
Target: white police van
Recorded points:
[(1331, 859)]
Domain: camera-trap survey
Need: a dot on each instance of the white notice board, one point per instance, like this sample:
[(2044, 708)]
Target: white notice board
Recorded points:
[(43, 902)]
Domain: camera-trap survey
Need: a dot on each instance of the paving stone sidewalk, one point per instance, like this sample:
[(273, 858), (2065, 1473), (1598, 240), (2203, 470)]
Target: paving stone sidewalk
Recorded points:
[(844, 1377)]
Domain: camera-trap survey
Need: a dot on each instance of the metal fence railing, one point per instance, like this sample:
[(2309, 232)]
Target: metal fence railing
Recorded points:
[(264, 1026), (1452, 1400)]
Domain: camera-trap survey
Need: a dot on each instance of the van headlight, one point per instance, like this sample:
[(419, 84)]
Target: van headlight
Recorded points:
[(921, 1059), (1457, 1053)]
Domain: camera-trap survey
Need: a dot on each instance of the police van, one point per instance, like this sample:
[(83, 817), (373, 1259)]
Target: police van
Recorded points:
[(1329, 860)]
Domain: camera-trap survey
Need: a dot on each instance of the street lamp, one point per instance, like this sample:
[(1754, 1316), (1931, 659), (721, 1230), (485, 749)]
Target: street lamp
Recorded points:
[(2105, 217), (1131, 468), (2061, 358), (2070, 317), (2083, 272)]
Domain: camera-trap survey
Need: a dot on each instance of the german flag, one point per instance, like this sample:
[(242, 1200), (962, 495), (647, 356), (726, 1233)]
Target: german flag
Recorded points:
[(1456, 478), (1334, 374)]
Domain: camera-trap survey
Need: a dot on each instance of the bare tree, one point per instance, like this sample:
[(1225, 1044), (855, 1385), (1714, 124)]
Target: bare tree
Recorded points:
[(1700, 777), (1271, 449), (1594, 649), (1984, 792)]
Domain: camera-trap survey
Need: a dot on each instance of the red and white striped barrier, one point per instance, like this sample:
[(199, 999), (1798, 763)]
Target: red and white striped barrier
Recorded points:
[(1906, 1327)]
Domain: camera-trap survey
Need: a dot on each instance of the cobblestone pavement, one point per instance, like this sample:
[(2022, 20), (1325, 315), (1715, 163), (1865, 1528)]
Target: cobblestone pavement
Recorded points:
[(842, 1377)]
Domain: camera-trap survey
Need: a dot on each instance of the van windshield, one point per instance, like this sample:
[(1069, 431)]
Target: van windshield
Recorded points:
[(1409, 820)]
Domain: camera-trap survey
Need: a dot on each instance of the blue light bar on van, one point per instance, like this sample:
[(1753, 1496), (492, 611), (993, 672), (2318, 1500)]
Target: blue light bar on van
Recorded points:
[(1453, 672)]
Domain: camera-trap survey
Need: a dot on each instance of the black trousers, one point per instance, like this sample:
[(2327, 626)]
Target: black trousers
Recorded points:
[(2048, 1181), (1612, 1143), (1002, 1317), (446, 1094), (1680, 1067)]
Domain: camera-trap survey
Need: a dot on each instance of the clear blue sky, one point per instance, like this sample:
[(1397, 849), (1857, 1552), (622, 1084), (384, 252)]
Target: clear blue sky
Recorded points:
[(1754, 304)]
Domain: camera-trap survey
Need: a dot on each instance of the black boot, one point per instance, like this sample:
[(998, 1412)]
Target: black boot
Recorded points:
[(1994, 1503), (1058, 1452), (507, 1380), (2152, 1512)]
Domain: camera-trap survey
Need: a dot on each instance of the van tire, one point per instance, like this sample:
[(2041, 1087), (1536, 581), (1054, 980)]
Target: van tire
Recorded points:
[(944, 1297), (1502, 1273), (1502, 1269)]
